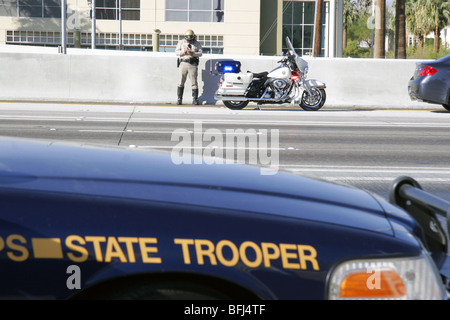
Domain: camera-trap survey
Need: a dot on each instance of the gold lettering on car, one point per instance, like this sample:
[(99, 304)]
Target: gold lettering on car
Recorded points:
[(129, 249)]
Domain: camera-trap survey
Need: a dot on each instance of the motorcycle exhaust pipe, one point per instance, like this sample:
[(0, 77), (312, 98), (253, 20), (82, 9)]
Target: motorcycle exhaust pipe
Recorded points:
[(230, 98), (241, 98)]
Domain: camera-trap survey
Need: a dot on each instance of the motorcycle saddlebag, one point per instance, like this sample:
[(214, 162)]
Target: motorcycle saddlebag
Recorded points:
[(236, 83)]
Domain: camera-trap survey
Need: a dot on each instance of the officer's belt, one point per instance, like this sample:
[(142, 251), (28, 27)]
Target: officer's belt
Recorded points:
[(191, 60)]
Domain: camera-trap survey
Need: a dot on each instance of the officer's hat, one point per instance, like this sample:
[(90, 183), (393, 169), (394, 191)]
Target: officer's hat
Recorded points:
[(189, 35)]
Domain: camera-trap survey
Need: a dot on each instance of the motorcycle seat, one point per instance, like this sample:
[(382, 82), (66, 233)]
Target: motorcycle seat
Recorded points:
[(260, 75)]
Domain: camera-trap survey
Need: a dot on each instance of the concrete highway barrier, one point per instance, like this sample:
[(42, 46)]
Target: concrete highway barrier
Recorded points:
[(103, 76)]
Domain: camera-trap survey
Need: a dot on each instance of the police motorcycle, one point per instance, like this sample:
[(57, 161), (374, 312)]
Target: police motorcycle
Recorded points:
[(285, 84)]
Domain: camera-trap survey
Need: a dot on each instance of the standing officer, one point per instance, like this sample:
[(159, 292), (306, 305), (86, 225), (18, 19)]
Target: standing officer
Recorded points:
[(189, 50)]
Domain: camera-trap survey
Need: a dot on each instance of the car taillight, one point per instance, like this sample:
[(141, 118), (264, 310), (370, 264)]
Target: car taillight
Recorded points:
[(427, 71)]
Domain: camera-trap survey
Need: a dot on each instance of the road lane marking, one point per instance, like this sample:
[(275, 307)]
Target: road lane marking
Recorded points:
[(377, 179), (259, 122)]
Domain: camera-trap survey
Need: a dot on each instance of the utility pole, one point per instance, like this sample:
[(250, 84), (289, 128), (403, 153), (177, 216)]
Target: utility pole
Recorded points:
[(318, 28), (93, 26), (63, 26), (120, 25), (373, 27)]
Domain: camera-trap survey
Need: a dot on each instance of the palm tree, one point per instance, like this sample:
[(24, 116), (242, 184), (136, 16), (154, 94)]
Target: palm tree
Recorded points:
[(350, 16), (426, 16), (440, 12), (380, 29), (362, 6), (413, 21), (400, 29)]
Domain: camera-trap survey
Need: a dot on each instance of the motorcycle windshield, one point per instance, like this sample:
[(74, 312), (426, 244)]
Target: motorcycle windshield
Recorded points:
[(289, 45), (301, 64)]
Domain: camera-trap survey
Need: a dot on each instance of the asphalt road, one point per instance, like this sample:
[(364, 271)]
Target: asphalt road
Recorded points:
[(363, 148)]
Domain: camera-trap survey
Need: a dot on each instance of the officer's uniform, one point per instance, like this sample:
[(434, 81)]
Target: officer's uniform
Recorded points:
[(188, 50)]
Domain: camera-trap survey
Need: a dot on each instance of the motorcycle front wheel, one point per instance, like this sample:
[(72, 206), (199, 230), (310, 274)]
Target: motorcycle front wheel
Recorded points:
[(235, 105), (314, 102)]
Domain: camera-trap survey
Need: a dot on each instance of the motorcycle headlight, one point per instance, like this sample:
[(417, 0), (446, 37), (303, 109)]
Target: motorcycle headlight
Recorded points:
[(413, 278), (305, 71)]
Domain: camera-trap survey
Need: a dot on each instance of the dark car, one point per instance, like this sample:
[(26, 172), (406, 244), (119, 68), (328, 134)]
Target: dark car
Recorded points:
[(78, 221), (431, 82)]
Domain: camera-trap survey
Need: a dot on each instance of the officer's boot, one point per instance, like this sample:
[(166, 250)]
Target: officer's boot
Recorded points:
[(180, 95), (195, 97)]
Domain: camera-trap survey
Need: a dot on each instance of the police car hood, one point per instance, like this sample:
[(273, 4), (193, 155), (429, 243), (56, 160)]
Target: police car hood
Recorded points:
[(107, 171)]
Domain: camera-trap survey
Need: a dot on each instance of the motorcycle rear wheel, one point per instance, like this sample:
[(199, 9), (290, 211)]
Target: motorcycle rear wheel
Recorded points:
[(314, 102), (235, 105)]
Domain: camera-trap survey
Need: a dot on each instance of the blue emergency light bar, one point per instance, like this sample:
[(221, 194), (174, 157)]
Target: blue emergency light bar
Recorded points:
[(228, 66)]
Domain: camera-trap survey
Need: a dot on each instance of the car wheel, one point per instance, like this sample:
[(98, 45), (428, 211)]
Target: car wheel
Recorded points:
[(159, 290)]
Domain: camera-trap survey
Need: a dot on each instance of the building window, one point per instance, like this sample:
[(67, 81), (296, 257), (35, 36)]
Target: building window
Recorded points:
[(130, 41), (41, 38), (195, 10), (31, 8), (298, 25), (109, 9), (210, 43)]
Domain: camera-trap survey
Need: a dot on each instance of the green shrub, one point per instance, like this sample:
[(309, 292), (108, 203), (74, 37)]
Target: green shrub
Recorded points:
[(353, 50), (426, 52)]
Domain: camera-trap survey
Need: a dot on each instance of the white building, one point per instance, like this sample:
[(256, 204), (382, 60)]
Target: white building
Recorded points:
[(250, 27), (445, 37)]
